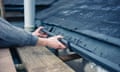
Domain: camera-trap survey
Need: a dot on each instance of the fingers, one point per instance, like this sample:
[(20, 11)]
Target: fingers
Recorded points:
[(59, 36), (61, 45), (40, 28), (39, 33), (43, 35)]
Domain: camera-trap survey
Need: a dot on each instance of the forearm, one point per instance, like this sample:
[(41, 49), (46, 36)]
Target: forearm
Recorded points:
[(42, 42), (11, 36)]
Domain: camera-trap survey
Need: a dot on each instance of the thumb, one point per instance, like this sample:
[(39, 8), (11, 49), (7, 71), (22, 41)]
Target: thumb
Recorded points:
[(59, 36), (39, 28)]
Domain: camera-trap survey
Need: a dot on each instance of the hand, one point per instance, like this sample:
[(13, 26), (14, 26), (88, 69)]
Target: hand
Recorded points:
[(38, 33), (53, 42)]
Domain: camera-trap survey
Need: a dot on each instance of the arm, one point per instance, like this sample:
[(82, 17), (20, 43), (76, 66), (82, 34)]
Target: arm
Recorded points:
[(51, 41), (11, 36)]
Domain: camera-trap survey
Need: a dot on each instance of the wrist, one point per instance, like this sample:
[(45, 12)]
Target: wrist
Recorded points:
[(42, 41)]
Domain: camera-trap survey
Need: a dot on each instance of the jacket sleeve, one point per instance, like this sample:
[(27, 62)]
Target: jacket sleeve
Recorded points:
[(11, 36)]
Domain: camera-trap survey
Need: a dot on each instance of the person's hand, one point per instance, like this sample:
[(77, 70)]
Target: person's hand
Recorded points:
[(53, 42), (38, 33)]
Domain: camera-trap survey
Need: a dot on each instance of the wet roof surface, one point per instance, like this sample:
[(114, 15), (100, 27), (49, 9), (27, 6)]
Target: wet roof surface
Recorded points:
[(54, 8), (97, 15)]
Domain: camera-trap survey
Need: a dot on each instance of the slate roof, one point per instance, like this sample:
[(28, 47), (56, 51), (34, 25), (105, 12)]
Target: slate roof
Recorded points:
[(96, 15)]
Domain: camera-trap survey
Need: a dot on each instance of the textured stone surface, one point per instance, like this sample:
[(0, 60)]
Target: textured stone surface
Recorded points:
[(96, 15)]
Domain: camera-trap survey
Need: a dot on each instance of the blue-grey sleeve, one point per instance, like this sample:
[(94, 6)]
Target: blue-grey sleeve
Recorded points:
[(11, 36)]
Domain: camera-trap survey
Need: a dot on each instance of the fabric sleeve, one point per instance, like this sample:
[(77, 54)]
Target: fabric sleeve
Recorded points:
[(11, 36)]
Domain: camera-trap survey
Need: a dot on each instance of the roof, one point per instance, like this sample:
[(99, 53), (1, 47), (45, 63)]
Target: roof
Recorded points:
[(99, 16)]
